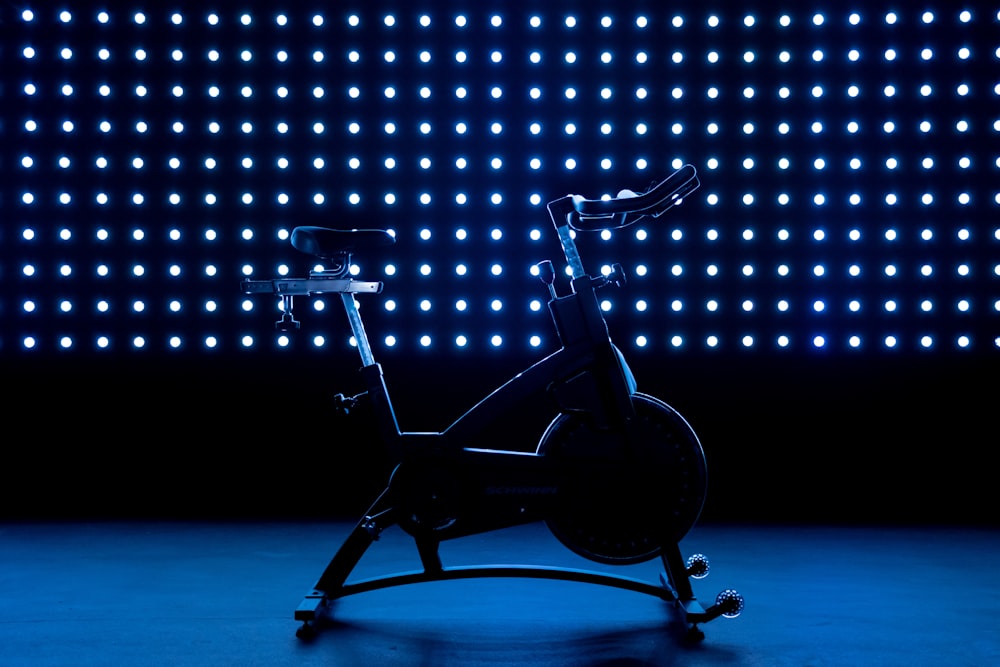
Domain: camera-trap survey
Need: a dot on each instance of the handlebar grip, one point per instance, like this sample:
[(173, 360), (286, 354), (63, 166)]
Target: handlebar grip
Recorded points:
[(594, 214)]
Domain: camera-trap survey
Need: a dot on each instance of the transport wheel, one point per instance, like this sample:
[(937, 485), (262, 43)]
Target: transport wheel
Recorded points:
[(624, 493)]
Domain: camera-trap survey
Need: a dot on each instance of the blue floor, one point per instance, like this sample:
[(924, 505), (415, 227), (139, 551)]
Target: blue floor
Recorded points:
[(134, 593)]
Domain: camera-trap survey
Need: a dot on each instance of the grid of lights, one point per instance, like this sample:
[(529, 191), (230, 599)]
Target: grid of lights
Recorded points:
[(849, 163)]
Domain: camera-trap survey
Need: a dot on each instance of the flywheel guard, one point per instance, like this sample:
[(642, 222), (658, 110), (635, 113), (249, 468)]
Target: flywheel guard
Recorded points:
[(624, 493)]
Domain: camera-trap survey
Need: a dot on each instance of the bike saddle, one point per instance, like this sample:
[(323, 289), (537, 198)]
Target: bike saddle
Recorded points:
[(331, 243)]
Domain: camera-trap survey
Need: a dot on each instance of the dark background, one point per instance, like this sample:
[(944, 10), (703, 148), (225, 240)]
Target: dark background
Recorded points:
[(820, 440)]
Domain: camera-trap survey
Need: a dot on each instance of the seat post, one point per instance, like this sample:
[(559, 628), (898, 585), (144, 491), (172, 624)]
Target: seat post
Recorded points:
[(358, 329)]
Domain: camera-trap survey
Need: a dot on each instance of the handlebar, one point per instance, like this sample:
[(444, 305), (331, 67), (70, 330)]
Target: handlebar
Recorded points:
[(628, 207)]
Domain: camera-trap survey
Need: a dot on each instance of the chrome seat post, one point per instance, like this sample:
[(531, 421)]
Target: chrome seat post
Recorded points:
[(358, 329)]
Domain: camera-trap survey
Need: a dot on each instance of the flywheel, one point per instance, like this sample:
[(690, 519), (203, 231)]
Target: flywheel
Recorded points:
[(625, 492)]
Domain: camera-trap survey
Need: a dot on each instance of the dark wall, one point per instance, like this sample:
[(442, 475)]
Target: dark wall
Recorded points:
[(787, 439)]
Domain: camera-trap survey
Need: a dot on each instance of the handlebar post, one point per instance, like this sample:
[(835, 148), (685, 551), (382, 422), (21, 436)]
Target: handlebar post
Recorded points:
[(560, 211)]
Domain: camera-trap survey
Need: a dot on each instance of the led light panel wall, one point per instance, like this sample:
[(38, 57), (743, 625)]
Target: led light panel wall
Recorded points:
[(153, 157)]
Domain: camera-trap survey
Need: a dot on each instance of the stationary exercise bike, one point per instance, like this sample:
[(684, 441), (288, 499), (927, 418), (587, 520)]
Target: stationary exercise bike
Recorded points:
[(619, 477)]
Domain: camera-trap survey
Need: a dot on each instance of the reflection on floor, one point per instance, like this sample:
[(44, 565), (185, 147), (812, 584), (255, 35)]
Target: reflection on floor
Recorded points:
[(223, 593)]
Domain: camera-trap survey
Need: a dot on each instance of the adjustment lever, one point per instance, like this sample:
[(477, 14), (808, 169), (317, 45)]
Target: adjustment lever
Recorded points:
[(547, 274), (616, 277), (287, 321)]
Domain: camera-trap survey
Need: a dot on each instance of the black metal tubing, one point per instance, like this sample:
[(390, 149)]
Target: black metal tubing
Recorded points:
[(594, 352), (508, 572)]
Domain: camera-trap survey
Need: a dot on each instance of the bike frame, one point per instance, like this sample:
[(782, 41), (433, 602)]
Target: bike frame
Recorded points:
[(587, 374), (446, 484)]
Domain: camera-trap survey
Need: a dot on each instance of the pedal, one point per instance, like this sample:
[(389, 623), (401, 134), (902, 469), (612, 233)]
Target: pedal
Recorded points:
[(728, 604), (697, 566)]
